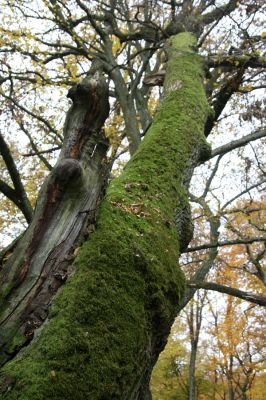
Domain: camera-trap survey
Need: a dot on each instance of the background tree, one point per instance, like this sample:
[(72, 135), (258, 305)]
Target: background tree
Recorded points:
[(240, 353), (119, 304), (169, 378), (183, 368), (230, 353)]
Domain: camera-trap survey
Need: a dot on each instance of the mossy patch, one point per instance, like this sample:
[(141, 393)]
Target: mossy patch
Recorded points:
[(110, 320)]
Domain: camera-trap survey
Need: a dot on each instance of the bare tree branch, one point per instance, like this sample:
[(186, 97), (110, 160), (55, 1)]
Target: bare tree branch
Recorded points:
[(219, 12), (239, 143), (225, 243), (233, 61), (18, 194), (253, 298), (248, 189)]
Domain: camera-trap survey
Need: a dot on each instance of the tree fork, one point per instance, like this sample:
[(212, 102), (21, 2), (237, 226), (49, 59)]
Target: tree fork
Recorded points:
[(111, 319)]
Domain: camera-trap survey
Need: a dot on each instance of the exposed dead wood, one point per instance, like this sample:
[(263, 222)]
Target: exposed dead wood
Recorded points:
[(67, 204)]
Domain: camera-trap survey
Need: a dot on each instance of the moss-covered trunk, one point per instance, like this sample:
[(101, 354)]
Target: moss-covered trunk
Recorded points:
[(109, 322)]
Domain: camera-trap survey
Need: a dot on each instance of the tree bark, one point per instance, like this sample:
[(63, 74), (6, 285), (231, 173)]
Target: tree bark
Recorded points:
[(109, 322)]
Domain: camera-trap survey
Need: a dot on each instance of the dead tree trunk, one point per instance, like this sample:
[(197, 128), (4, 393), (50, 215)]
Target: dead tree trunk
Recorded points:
[(67, 202), (110, 320)]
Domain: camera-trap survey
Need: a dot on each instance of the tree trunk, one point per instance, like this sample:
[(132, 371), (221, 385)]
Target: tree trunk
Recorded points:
[(110, 320), (192, 369), (231, 391)]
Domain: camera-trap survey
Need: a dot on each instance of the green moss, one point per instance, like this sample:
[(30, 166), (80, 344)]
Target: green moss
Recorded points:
[(17, 341), (109, 322)]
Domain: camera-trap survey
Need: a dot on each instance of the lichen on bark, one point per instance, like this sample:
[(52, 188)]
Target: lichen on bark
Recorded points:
[(111, 319)]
